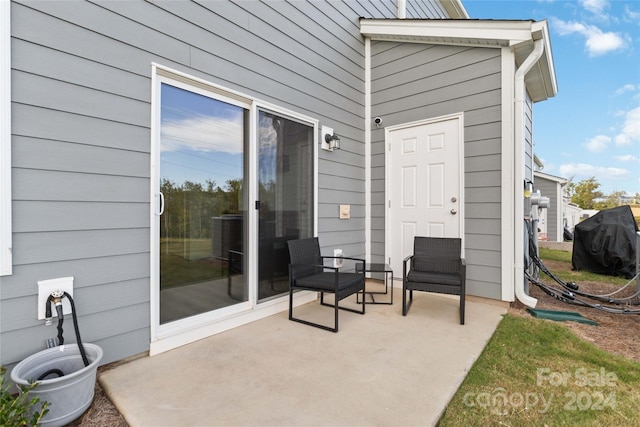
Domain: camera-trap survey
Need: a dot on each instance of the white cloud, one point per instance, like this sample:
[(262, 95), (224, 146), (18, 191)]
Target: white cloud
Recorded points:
[(631, 129), (626, 158), (597, 7), (631, 15), (597, 42), (583, 170), (203, 133), (626, 88), (598, 143)]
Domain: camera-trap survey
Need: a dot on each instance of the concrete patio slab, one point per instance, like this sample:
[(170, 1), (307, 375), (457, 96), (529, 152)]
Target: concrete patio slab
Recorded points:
[(380, 369)]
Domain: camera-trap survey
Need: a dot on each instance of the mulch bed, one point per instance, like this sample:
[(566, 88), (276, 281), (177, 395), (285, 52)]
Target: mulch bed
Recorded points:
[(615, 333), (101, 412)]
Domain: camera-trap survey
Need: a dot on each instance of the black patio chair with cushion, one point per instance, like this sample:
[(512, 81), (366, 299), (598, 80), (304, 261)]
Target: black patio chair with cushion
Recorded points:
[(308, 272), (435, 266)]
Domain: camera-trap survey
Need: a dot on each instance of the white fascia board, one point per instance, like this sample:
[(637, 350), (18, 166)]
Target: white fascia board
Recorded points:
[(455, 9), (540, 30), (549, 177), (499, 33)]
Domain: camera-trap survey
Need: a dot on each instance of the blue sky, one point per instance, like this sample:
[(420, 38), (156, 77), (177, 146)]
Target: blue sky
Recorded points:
[(592, 126)]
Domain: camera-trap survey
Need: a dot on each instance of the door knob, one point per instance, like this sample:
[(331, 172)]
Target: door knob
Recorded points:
[(453, 211)]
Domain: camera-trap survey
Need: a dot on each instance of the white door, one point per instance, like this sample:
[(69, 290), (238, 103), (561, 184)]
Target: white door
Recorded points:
[(424, 184)]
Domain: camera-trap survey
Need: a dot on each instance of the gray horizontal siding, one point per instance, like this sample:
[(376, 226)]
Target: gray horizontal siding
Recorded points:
[(549, 188), (37, 122), (416, 81), (89, 300), (81, 109), (112, 330), (33, 184), (87, 272), (528, 142), (36, 248), (51, 155), (41, 216)]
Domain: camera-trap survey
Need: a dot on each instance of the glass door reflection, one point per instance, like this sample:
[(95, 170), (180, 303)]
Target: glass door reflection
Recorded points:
[(285, 180), (202, 228)]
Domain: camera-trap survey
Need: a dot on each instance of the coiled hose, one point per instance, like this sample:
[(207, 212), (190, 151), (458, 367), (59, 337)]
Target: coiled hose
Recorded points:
[(58, 304)]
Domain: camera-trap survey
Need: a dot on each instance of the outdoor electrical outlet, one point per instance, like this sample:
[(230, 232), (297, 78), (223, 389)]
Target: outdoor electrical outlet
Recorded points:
[(46, 288)]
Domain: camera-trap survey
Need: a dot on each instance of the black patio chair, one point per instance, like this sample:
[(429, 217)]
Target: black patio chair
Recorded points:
[(308, 272), (435, 266)]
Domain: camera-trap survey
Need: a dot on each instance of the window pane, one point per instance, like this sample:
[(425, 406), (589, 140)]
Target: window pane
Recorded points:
[(202, 227), (286, 196)]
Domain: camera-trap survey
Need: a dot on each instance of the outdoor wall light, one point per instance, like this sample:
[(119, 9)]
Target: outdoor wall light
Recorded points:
[(333, 141), (528, 188), (330, 141)]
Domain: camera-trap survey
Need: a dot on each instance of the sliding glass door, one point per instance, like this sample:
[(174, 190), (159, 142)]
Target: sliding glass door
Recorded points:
[(232, 182), (203, 141), (285, 193)]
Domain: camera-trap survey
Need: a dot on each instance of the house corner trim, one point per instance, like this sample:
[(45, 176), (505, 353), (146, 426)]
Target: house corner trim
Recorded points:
[(6, 258)]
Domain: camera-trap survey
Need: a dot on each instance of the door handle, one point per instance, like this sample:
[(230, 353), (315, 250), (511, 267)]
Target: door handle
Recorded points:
[(453, 211), (161, 197)]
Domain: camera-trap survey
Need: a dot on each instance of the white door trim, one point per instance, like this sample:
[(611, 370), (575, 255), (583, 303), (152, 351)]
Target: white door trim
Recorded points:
[(387, 161)]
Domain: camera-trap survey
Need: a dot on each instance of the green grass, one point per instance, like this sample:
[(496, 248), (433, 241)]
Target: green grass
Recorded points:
[(535, 372), (555, 255), (569, 275), (183, 262)]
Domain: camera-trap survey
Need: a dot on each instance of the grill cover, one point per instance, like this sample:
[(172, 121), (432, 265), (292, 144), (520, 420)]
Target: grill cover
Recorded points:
[(606, 243)]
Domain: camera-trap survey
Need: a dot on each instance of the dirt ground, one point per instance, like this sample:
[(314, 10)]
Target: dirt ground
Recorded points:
[(616, 333)]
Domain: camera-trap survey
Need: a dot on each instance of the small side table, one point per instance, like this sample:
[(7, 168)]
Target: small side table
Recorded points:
[(376, 268)]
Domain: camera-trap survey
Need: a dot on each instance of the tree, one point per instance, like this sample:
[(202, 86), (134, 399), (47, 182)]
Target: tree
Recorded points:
[(612, 200), (585, 193)]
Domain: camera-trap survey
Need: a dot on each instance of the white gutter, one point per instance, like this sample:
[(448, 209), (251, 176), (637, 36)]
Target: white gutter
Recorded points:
[(367, 148), (519, 130)]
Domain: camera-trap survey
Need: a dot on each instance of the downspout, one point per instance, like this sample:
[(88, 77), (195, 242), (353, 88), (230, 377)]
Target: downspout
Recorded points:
[(402, 9), (519, 130)]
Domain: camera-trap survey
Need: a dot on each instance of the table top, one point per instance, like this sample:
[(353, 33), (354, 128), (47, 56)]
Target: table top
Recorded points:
[(376, 268)]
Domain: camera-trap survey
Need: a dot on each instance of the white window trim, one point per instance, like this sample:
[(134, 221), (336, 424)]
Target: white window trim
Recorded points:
[(6, 258)]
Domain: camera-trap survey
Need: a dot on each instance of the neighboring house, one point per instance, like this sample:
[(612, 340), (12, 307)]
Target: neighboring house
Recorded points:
[(572, 214), (553, 218), (161, 154)]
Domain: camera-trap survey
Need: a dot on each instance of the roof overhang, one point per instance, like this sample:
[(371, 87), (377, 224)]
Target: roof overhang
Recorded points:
[(518, 35), (538, 162), (557, 179), (455, 9)]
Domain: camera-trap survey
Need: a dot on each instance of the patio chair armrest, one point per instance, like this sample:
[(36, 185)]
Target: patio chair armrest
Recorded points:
[(357, 260), (342, 257), (232, 253), (408, 258)]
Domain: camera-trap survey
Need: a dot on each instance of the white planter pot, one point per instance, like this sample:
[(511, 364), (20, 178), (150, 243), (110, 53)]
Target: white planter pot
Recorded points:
[(68, 396)]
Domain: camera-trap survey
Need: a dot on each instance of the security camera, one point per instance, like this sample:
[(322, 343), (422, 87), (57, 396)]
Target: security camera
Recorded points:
[(377, 121)]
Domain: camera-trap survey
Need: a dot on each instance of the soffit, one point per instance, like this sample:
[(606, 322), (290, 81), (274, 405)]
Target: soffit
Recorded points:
[(519, 35)]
